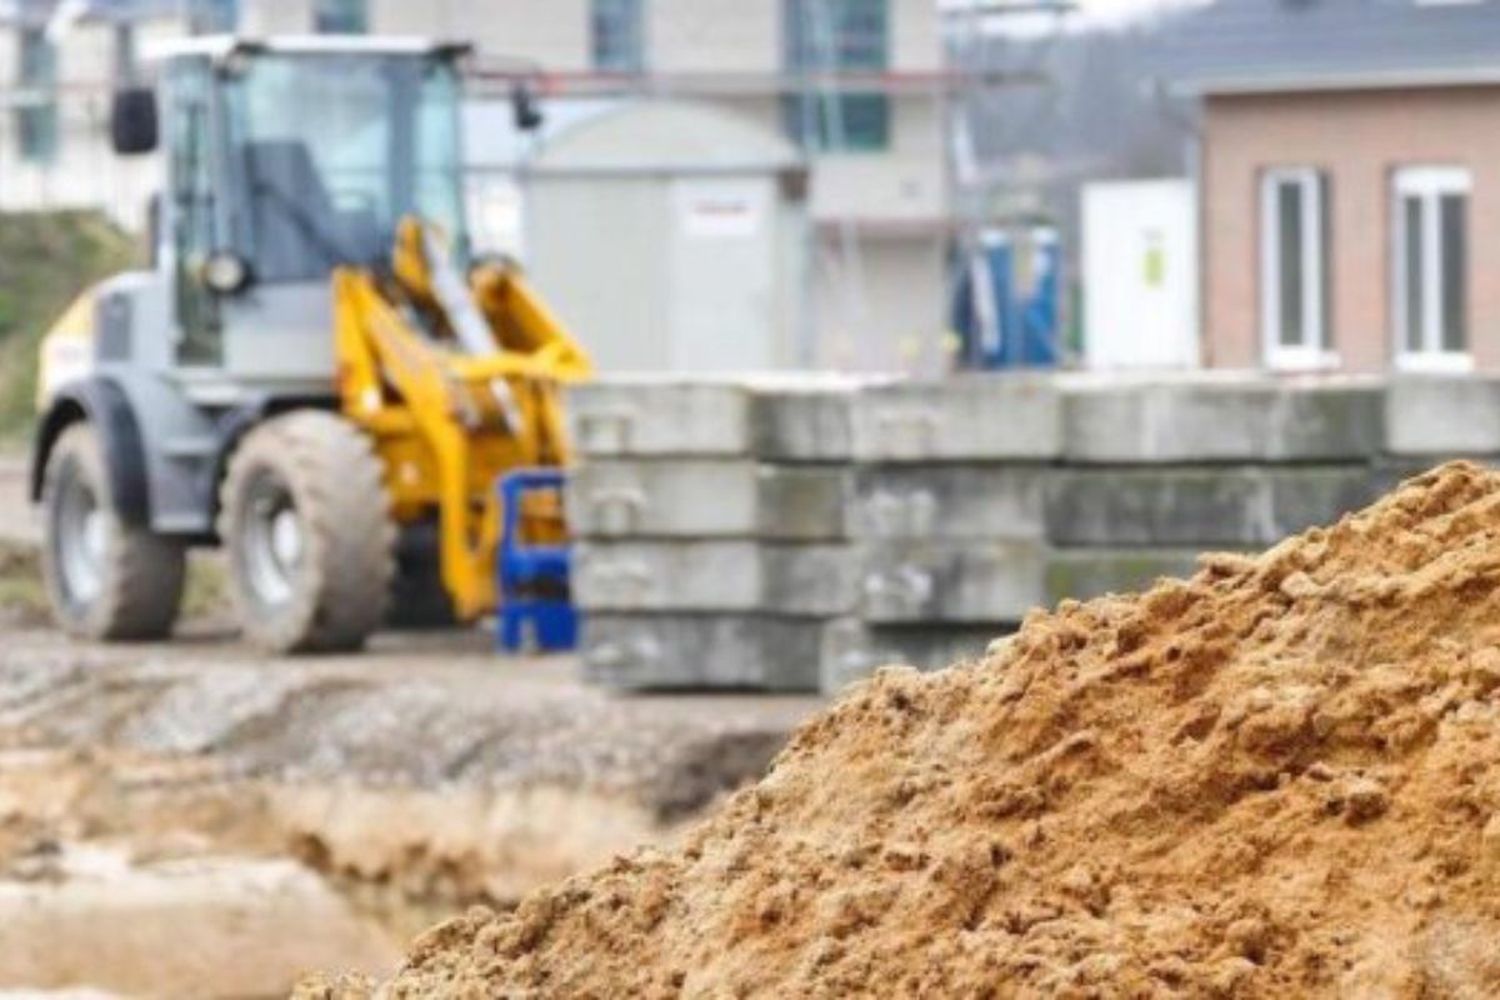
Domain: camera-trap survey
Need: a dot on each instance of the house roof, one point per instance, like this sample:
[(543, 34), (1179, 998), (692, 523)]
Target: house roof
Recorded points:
[(1275, 45)]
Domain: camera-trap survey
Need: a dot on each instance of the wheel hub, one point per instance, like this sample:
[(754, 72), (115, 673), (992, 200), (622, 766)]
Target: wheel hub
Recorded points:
[(83, 541), (272, 542), (286, 538)]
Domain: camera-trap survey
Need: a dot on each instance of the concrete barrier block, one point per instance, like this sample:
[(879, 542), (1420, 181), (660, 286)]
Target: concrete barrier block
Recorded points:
[(948, 502), (951, 581), (703, 498), (727, 652), (645, 416), (1443, 416), (1084, 574), (853, 650), (984, 417), (805, 423), (802, 503), (1222, 420), (744, 576), (1244, 506)]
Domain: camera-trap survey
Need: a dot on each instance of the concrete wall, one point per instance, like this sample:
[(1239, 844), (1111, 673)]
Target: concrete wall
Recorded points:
[(1358, 138), (905, 186), (554, 33), (727, 36)]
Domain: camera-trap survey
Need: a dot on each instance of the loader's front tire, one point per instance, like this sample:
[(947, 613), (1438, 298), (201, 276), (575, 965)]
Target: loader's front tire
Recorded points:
[(305, 521), (105, 579)]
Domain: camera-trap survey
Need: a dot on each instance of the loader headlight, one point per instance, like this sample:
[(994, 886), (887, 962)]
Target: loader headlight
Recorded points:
[(226, 272)]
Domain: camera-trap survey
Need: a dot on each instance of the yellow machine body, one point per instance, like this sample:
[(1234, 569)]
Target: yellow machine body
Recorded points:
[(449, 421)]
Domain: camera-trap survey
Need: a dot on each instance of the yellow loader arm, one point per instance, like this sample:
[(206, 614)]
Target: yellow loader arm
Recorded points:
[(455, 393)]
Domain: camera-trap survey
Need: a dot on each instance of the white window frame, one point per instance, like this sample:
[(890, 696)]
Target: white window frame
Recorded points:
[(1430, 184), (1314, 352)]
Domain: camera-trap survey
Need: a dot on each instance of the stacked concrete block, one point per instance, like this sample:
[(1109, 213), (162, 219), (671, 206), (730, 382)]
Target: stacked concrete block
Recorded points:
[(729, 575), (1212, 420), (798, 533), (1199, 506), (1155, 471), (947, 514), (980, 419), (1431, 419), (711, 524), (693, 497)]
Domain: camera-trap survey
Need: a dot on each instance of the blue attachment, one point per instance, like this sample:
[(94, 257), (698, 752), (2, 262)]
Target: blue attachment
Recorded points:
[(521, 570)]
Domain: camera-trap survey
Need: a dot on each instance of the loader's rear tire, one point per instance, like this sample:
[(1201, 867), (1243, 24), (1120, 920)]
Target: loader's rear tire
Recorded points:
[(105, 579), (305, 521), (419, 601)]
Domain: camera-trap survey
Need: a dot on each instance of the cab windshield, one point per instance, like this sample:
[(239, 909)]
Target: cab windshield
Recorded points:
[(330, 152)]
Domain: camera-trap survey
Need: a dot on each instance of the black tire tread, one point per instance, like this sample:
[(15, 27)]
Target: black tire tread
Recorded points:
[(339, 487), (143, 585)]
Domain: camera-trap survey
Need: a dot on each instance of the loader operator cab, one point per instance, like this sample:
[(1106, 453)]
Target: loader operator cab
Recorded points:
[(284, 161)]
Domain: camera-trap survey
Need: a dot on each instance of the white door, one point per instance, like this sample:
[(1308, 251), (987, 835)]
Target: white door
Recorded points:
[(1140, 269), (722, 283)]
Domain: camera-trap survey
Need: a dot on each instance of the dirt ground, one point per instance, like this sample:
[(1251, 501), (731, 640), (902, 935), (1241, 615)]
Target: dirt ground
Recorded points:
[(194, 819)]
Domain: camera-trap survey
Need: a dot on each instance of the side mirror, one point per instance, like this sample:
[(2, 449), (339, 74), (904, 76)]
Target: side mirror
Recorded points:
[(133, 125), (523, 106)]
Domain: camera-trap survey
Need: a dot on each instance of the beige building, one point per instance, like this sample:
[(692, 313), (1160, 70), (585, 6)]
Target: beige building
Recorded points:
[(54, 148), (857, 86)]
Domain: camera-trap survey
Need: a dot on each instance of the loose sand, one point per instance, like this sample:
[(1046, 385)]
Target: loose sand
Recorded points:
[(1279, 778)]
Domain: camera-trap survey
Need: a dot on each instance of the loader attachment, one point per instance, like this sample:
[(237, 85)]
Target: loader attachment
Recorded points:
[(458, 382)]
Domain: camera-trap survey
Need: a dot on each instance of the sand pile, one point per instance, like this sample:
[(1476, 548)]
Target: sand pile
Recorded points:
[(1280, 778)]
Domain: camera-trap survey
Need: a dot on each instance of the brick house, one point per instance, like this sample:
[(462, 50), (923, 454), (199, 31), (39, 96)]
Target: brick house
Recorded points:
[(1349, 182)]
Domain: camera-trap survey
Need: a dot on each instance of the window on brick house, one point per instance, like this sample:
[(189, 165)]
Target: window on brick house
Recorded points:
[(618, 36), (827, 37), (1430, 281), (1294, 234), (341, 17), (36, 114)]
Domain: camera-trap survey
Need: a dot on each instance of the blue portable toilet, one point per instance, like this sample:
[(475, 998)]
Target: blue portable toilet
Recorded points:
[(1002, 322)]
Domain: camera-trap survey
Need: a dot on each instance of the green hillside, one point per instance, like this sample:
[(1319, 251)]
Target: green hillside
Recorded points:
[(46, 258)]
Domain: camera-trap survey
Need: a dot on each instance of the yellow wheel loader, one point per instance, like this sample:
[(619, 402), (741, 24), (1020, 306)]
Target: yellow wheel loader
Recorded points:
[(312, 374)]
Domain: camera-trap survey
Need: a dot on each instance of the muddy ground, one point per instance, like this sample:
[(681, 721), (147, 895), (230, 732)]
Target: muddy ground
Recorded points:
[(191, 818)]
